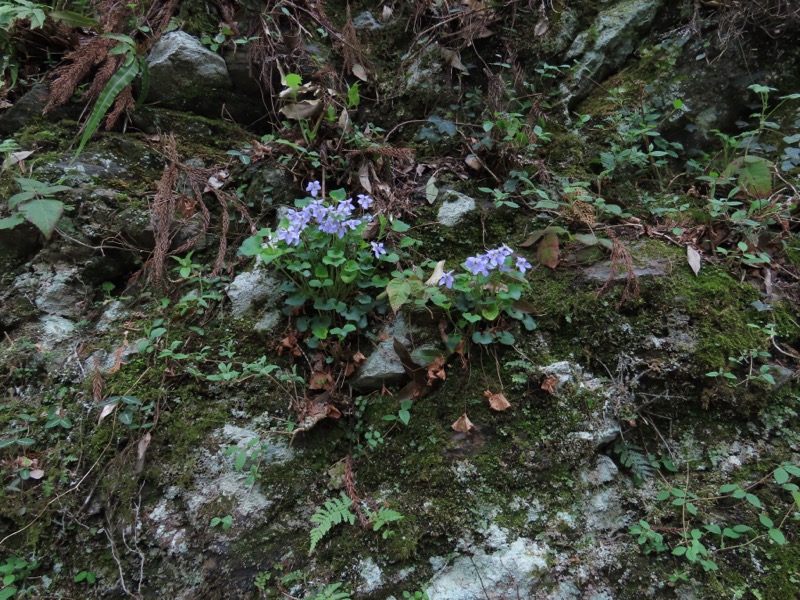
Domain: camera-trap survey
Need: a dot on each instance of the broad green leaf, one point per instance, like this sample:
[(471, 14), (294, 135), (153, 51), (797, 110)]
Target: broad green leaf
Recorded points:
[(44, 214), (777, 536), (118, 82), (12, 221), (756, 176), (399, 292), (781, 475)]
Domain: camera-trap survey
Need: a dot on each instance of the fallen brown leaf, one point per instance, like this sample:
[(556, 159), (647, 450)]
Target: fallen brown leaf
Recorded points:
[(497, 401), (463, 424), (550, 383)]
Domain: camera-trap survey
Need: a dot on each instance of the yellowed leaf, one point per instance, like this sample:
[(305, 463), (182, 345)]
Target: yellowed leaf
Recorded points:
[(497, 401), (463, 424)]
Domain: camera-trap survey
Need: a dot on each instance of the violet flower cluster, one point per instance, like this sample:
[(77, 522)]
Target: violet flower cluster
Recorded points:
[(498, 259), (334, 220)]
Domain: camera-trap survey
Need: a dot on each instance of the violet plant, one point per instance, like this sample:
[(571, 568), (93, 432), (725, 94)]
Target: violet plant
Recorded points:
[(326, 262), (488, 287)]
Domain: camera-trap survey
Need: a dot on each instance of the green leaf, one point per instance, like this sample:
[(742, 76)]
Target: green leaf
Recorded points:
[(399, 292), (766, 521), (118, 82), (293, 80), (777, 536), (12, 221), (7, 592), (399, 226), (73, 19), (241, 458), (752, 499), (44, 214), (353, 97), (781, 475), (491, 312), (482, 337)]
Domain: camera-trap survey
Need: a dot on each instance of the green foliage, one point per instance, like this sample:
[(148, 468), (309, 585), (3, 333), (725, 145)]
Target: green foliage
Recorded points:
[(327, 264), (383, 517), (35, 203), (701, 536), (633, 457), (223, 522), (132, 65), (13, 573), (334, 512)]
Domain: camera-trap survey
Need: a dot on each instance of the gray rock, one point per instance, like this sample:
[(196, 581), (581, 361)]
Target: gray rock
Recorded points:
[(268, 321), (365, 20), (383, 366), (27, 108), (55, 289), (598, 434), (186, 75), (455, 208), (608, 43), (604, 471), (251, 289), (506, 573)]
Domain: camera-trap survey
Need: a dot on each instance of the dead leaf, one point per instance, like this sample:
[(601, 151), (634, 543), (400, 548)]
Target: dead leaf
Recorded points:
[(547, 250), (463, 424), (16, 158), (473, 162), (454, 58), (386, 14), (141, 449), (305, 109), (693, 256), (436, 370), (497, 401), (332, 412), (359, 358), (550, 384), (541, 27), (344, 121), (438, 271), (320, 380), (360, 72), (363, 177), (107, 410), (36, 474)]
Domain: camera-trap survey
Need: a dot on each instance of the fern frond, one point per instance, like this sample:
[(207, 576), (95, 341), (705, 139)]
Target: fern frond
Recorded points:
[(334, 512), (633, 457), (118, 82)]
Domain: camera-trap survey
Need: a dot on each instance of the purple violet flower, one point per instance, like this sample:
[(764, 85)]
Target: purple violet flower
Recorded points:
[(523, 264), (477, 265), (447, 279), (378, 249), (364, 201), (313, 188), (290, 235)]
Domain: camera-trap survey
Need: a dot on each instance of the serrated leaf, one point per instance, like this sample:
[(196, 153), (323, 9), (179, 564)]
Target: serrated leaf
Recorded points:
[(118, 82), (44, 214)]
